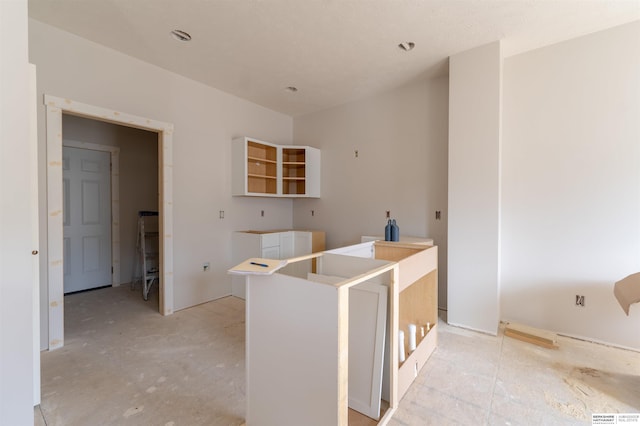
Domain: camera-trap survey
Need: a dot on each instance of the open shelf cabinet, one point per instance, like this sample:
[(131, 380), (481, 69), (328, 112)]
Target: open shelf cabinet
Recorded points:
[(262, 168), (294, 171), (270, 170)]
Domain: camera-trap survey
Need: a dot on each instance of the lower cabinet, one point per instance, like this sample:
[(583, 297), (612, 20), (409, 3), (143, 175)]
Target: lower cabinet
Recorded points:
[(279, 244), (271, 252)]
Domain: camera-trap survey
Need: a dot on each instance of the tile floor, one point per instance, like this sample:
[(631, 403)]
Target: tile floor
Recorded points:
[(124, 364)]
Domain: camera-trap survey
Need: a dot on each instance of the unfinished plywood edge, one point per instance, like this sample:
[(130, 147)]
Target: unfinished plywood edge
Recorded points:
[(543, 338), (343, 357), (386, 418)]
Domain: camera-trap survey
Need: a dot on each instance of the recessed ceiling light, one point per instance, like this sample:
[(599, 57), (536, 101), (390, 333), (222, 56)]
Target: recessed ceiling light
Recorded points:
[(407, 45), (291, 89), (181, 35)]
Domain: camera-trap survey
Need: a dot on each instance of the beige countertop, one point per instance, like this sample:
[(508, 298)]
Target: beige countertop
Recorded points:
[(275, 231)]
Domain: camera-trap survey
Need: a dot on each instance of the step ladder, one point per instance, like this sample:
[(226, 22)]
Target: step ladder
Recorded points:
[(147, 265)]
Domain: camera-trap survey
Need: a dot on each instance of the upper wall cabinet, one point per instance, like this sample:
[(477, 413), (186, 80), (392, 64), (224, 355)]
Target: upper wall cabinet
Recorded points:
[(268, 170), (300, 171), (255, 168)]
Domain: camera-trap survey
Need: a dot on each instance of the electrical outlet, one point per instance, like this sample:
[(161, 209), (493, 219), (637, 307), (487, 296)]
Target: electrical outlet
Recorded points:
[(355, 153), (438, 215), (313, 212), (206, 266), (388, 214), (579, 300), (221, 214), (262, 213)]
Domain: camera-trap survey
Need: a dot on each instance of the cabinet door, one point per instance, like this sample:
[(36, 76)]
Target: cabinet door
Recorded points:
[(270, 240), (367, 329), (287, 244), (271, 253)]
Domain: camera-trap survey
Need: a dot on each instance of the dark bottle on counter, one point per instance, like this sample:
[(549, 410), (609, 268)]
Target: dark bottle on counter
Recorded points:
[(387, 231), (395, 231)]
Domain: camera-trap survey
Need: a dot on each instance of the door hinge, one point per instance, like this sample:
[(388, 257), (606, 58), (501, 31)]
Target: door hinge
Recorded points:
[(112, 270)]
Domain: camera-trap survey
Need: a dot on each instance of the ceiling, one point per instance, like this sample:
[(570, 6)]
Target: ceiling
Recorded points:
[(333, 51)]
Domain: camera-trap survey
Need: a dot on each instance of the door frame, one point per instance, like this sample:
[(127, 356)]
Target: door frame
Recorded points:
[(114, 174), (55, 107), (35, 229)]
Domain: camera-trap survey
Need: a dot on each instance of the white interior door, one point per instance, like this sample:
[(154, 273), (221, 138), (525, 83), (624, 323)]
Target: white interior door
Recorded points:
[(87, 219)]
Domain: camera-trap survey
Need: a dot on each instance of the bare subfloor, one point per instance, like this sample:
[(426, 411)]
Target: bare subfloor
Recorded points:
[(124, 364)]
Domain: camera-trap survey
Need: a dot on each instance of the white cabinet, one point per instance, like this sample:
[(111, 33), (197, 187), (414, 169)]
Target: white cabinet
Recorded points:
[(281, 244), (287, 244), (271, 253), (267, 239), (300, 171), (264, 169)]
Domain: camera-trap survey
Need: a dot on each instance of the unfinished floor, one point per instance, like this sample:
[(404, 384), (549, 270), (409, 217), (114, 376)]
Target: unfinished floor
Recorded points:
[(124, 364)]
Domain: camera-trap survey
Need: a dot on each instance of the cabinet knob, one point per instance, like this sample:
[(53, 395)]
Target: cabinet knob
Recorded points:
[(34, 252)]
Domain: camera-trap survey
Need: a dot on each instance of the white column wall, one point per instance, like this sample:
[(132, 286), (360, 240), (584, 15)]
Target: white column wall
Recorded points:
[(474, 188), (16, 261)]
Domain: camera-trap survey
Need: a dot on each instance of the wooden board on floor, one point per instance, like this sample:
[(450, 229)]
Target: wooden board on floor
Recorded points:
[(358, 419), (543, 338)]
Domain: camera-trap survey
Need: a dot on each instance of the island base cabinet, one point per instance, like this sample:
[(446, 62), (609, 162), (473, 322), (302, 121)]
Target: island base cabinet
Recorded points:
[(298, 333)]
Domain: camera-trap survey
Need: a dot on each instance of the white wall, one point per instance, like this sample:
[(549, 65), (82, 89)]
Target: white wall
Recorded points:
[(401, 138), (138, 175), (571, 184), (16, 260), (474, 188), (205, 120)]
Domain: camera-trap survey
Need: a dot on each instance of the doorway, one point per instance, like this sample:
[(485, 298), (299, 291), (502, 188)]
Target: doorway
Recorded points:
[(134, 187), (55, 107)]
